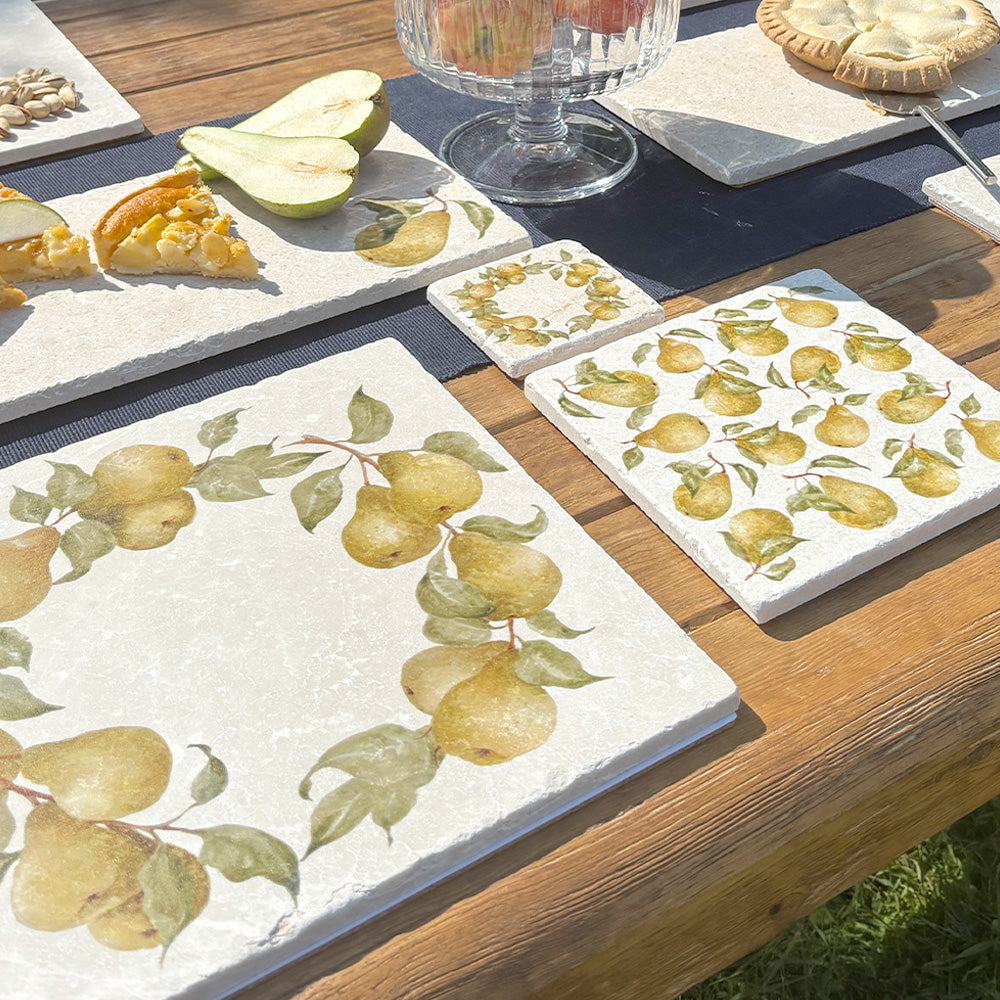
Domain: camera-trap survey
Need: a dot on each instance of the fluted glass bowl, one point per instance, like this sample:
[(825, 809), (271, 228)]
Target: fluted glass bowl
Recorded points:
[(537, 55)]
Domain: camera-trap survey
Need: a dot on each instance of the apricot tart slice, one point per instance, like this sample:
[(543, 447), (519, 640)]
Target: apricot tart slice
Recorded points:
[(909, 46), (171, 226)]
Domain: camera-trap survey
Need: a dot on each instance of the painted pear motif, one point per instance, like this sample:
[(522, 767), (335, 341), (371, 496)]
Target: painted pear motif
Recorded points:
[(713, 499), (674, 433), (870, 507), (429, 675), (376, 536), (840, 428), (429, 487), (807, 312), (678, 356), (634, 389)]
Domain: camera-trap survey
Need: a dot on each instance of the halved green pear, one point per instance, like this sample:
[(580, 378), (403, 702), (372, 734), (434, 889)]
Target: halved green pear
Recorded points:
[(351, 105), (21, 219), (300, 177)]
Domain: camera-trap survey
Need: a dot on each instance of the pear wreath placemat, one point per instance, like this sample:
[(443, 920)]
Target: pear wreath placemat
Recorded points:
[(273, 662), (788, 439)]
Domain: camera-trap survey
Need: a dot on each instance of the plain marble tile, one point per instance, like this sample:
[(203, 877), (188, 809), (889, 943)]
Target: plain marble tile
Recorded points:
[(959, 193)]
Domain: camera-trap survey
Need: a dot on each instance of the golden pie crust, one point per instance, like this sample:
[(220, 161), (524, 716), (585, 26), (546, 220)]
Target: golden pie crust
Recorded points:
[(171, 226), (908, 46), (56, 253)]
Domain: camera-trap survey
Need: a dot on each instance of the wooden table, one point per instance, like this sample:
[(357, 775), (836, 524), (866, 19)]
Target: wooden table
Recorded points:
[(870, 716)]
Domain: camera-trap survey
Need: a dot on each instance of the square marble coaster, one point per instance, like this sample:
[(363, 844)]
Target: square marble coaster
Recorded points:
[(696, 105), (787, 439), (29, 38), (958, 193), (535, 308), (292, 684), (79, 337)]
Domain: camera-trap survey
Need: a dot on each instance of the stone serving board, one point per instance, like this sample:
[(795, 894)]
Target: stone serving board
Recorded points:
[(29, 38), (736, 107), (254, 638), (803, 547), (961, 195), (533, 309), (79, 337)]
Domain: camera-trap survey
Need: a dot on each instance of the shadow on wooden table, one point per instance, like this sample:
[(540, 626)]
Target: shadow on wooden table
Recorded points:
[(429, 904)]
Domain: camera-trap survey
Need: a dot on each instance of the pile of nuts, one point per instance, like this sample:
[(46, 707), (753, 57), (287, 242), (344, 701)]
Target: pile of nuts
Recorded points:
[(34, 93)]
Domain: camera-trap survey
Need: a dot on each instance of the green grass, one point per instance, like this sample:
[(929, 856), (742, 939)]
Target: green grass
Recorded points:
[(925, 928)]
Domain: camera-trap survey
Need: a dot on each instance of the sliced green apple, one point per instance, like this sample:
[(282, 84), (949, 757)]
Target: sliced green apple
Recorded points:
[(300, 177), (21, 219)]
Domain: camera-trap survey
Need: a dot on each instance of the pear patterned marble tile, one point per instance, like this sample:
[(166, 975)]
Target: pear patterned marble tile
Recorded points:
[(274, 640), (29, 38), (533, 309), (409, 220), (961, 195), (787, 439)]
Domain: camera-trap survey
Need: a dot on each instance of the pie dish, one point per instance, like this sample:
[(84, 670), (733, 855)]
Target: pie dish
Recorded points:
[(908, 46), (171, 226), (54, 253)]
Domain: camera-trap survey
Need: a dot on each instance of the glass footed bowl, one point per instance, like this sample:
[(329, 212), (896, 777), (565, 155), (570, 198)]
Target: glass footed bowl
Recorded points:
[(537, 55)]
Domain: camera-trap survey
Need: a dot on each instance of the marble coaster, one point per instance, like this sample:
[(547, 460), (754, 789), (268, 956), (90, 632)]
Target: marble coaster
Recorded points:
[(29, 38), (313, 781), (535, 308), (787, 439), (79, 337), (961, 195), (696, 105)]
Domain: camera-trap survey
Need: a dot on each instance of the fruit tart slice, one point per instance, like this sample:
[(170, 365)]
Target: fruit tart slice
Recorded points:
[(35, 244), (171, 226)]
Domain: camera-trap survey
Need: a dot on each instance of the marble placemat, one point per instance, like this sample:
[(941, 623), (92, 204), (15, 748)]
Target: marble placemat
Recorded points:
[(739, 109), (262, 701), (531, 309), (787, 439), (959, 193), (78, 337), (29, 38)]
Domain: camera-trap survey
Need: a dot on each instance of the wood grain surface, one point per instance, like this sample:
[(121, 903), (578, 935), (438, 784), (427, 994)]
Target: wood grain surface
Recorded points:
[(870, 715)]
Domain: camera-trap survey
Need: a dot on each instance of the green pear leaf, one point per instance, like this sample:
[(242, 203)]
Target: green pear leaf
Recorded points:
[(317, 496), (810, 290), (83, 543), (7, 862), (460, 444), (638, 417), (759, 304), (546, 623), (640, 354), (692, 480), (227, 480), (915, 389), (30, 507), (820, 501), (540, 662), (370, 419), (892, 446), (953, 442), (390, 804), (686, 331), (15, 649), (772, 546), (734, 546), (749, 454), (761, 437), (733, 383), (730, 429), (244, 852), (823, 379), (584, 321), (748, 327), (700, 386), (735, 314), (800, 416), (443, 596), (865, 328), (502, 530), (210, 782), (851, 351), (874, 343), (7, 826), (575, 409), (68, 485), (17, 702), (168, 893), (909, 464), (456, 631), (797, 503), (219, 430), (632, 457), (731, 364), (856, 398), (723, 337), (584, 367), (944, 459), (779, 570), (775, 378), (835, 462), (339, 812), (969, 406), (748, 475), (285, 464), (481, 216)]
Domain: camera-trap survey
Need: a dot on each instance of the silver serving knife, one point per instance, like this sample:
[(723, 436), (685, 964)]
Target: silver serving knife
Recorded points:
[(926, 105)]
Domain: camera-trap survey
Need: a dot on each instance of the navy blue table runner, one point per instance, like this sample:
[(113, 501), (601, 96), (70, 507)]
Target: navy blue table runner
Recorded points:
[(667, 227)]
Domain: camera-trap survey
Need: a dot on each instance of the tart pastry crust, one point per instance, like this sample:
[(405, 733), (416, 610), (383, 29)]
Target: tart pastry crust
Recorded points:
[(900, 45), (171, 226)]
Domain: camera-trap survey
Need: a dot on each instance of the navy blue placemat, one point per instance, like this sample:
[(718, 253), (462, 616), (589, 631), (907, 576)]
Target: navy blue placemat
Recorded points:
[(667, 227)]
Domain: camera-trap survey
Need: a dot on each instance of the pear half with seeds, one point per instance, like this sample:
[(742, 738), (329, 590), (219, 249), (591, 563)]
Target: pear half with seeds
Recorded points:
[(297, 177)]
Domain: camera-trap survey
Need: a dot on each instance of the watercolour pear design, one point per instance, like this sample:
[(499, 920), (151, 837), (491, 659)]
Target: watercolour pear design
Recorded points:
[(772, 446), (720, 397), (678, 356), (518, 580), (494, 716), (913, 410), (758, 343), (926, 473), (807, 362), (752, 530), (10, 764), (429, 675), (674, 433), (152, 523), (634, 389), (870, 506), (25, 578), (378, 537), (103, 774), (806, 312), (985, 435), (429, 487), (713, 498), (135, 474), (418, 239), (878, 354), (840, 428)]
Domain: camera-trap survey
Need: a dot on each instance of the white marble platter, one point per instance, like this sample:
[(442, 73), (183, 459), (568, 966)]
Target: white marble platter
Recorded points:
[(961, 195), (766, 436), (79, 337), (274, 627), (736, 107), (29, 38), (535, 308)]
